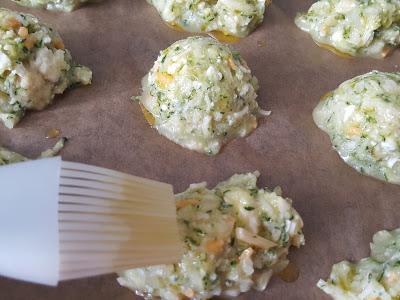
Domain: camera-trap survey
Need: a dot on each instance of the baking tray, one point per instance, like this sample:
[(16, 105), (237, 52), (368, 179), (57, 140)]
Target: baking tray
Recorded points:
[(119, 40)]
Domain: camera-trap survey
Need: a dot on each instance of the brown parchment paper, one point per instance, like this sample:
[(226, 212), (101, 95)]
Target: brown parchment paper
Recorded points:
[(119, 40)]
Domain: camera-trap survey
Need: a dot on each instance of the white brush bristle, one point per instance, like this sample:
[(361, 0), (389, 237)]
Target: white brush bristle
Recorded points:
[(110, 221)]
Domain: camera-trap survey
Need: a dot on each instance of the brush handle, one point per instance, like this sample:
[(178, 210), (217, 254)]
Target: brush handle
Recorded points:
[(29, 235)]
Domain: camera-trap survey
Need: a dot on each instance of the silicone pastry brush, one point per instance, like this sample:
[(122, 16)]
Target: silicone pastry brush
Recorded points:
[(62, 220)]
